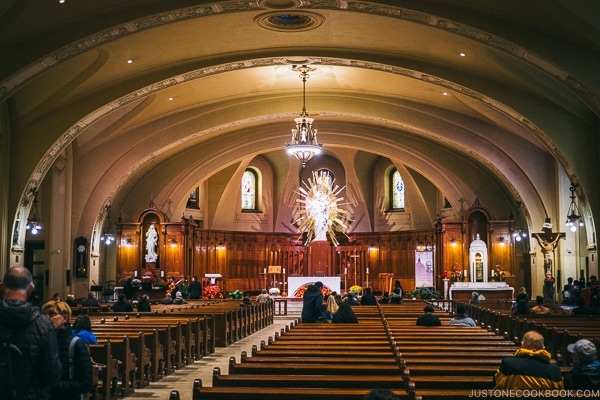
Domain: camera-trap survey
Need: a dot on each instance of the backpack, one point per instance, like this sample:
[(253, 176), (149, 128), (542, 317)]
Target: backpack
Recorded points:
[(12, 386), (74, 340)]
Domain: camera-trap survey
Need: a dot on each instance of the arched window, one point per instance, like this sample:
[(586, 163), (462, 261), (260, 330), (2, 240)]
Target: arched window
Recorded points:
[(396, 191), (327, 172), (249, 189)]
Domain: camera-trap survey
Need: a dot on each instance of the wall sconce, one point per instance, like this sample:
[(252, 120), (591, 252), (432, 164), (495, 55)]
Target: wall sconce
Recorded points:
[(221, 246), (518, 235), (128, 242), (453, 241), (173, 242), (501, 241)]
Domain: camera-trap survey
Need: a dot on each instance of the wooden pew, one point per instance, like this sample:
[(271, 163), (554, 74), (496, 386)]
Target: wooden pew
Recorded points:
[(109, 373)]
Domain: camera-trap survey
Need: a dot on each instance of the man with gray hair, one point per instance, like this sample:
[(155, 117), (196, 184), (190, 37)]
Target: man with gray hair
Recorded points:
[(586, 367), (22, 325)]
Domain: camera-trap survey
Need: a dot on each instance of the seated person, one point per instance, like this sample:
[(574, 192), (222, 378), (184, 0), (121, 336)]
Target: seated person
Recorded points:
[(474, 298), (428, 319), (168, 299), (351, 299), (586, 367), (539, 307), (461, 318), (179, 299), (143, 304), (368, 298), (345, 315), (91, 301), (122, 305), (82, 328)]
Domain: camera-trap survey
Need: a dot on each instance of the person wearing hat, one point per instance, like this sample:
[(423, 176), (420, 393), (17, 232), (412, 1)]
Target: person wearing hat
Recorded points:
[(586, 367), (312, 303)]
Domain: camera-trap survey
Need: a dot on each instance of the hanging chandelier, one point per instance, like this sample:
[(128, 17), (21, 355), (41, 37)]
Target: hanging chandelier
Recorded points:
[(34, 224), (107, 236), (304, 143), (573, 214)]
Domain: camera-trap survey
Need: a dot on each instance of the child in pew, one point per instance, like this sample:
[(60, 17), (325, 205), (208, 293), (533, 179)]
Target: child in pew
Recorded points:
[(461, 318), (82, 328)]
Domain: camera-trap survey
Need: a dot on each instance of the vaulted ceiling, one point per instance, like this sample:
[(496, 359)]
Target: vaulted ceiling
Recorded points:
[(497, 100)]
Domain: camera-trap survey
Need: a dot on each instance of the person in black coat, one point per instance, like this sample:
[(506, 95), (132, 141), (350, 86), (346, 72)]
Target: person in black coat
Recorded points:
[(122, 305), (312, 303), (368, 298), (76, 378), (428, 319), (397, 293), (195, 288), (345, 315), (143, 304), (36, 338)]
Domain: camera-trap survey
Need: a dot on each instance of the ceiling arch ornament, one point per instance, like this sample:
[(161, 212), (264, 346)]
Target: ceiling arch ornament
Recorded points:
[(71, 134), (8, 86)]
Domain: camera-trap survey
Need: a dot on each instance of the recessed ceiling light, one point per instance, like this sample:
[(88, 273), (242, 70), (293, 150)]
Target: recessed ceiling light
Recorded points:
[(130, 61), (61, 1), (170, 98), (445, 93), (462, 54)]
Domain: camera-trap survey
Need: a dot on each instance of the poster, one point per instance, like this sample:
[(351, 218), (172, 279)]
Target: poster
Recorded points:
[(424, 269)]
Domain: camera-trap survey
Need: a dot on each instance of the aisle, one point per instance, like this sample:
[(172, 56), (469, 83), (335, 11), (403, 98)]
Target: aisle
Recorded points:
[(183, 379)]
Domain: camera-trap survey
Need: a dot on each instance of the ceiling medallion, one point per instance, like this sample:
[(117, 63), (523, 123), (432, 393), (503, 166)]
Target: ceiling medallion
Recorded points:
[(290, 21)]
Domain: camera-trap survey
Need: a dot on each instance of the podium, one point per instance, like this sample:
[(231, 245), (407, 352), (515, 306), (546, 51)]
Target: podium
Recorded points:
[(388, 279)]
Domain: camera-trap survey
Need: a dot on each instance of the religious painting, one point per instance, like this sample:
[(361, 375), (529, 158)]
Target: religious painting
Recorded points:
[(424, 269)]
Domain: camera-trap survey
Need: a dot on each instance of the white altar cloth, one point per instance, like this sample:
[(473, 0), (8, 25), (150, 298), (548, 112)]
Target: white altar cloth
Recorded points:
[(296, 282)]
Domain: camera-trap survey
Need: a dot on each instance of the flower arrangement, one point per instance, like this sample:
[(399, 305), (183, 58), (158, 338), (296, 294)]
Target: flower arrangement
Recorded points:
[(274, 291), (236, 295), (456, 272), (212, 292), (500, 273), (355, 289), (425, 293)]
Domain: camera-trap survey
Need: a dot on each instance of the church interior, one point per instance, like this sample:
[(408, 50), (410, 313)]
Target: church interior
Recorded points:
[(179, 138)]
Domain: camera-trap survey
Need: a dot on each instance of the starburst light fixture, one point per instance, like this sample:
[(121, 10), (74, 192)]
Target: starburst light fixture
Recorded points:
[(304, 143), (320, 215)]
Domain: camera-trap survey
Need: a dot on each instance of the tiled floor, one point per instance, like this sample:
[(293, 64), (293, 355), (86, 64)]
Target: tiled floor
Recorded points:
[(183, 379)]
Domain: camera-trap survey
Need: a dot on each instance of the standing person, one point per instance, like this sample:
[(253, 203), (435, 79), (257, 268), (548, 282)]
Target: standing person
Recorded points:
[(397, 293), (195, 288), (529, 368), (368, 298), (586, 367), (23, 325), (428, 319), (171, 286), (82, 328), (129, 289), (461, 318), (77, 376), (312, 303)]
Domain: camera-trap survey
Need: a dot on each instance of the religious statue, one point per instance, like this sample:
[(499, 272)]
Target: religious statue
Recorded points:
[(151, 242)]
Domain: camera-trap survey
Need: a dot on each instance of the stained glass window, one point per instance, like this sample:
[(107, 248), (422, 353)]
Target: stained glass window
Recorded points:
[(397, 194), (249, 190)]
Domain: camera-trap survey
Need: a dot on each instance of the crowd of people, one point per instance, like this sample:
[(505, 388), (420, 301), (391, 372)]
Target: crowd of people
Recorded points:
[(582, 295)]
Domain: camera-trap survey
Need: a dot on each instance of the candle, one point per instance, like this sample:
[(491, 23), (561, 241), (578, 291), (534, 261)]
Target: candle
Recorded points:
[(264, 271), (134, 273), (367, 270), (345, 270), (465, 272), (162, 274), (284, 270)]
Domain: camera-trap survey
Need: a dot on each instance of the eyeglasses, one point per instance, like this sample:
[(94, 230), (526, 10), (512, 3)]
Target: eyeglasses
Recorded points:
[(51, 313)]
